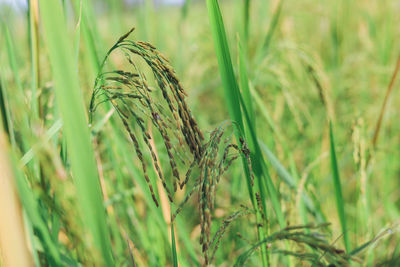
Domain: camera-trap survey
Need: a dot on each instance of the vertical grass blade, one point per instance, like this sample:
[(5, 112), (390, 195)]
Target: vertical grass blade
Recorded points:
[(338, 190), (272, 27), (5, 118), (87, 28), (231, 91), (224, 62), (246, 20), (33, 21), (70, 102), (235, 102), (244, 83), (250, 126), (385, 101), (174, 254), (271, 30)]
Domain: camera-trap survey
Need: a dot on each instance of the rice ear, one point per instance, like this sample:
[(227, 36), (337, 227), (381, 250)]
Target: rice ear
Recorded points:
[(133, 99)]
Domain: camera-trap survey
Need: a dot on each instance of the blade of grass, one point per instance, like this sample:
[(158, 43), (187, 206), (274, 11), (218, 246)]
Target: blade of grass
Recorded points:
[(174, 255), (29, 230), (5, 118), (80, 151), (260, 166), (231, 91), (87, 27), (338, 189), (246, 102), (246, 21), (371, 242), (78, 34), (235, 102), (33, 21), (30, 205), (385, 101), (54, 130), (50, 133), (271, 30), (224, 62), (272, 27), (270, 187), (244, 83)]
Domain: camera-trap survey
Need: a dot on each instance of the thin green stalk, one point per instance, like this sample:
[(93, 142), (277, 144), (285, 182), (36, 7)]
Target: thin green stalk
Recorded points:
[(231, 92), (244, 83), (34, 53), (233, 97), (90, 37), (385, 101), (235, 103), (338, 190), (72, 111), (271, 30), (246, 20), (273, 25), (5, 118), (245, 94), (173, 246)]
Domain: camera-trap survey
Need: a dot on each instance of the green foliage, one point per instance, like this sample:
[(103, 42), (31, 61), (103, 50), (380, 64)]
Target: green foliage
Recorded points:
[(337, 186), (228, 161), (80, 151)]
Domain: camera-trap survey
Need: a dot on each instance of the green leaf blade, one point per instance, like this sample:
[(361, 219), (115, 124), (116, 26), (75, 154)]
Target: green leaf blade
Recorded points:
[(338, 189), (72, 111)]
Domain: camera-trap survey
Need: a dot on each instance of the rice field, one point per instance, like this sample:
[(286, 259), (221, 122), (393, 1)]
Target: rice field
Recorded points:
[(199, 133)]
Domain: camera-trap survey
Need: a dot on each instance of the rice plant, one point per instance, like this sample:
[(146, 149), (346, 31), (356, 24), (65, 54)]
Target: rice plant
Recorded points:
[(213, 133), (136, 103)]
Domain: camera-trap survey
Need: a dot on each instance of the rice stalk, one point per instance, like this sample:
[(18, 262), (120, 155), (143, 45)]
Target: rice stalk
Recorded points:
[(385, 101), (136, 101), (33, 20)]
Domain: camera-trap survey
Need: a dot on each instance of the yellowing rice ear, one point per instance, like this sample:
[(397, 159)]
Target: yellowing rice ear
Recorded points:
[(14, 249)]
